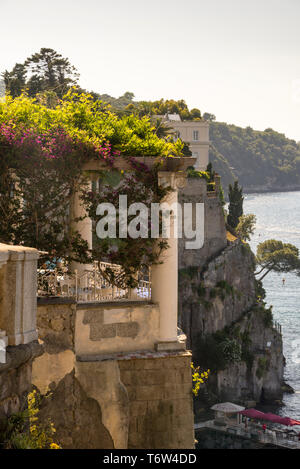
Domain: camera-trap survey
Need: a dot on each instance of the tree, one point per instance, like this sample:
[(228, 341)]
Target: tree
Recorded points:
[(162, 129), (15, 81), (51, 71), (195, 114), (42, 151), (46, 70), (235, 210), (209, 117), (246, 226), (276, 256)]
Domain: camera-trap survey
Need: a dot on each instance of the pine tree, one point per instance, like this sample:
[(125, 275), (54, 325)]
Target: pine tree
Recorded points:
[(44, 71), (236, 200)]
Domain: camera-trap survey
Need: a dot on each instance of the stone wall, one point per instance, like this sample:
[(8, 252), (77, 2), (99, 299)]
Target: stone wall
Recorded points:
[(214, 226), (160, 401), (101, 359), (15, 377), (114, 327)]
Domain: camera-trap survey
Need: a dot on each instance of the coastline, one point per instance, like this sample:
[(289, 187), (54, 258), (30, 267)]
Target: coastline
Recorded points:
[(262, 190)]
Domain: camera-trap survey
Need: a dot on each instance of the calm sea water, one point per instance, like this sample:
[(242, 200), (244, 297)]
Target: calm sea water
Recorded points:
[(278, 217)]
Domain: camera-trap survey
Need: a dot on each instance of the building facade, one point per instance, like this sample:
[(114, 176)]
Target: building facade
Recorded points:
[(196, 134)]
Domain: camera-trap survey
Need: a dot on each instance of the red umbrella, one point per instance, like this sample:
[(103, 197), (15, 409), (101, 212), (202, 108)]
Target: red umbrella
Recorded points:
[(274, 418), (256, 414), (253, 414), (289, 422)]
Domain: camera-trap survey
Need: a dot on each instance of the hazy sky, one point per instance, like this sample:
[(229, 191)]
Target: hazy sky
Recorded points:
[(237, 59)]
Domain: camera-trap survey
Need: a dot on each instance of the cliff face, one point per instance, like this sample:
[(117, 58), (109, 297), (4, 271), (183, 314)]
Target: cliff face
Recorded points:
[(228, 331)]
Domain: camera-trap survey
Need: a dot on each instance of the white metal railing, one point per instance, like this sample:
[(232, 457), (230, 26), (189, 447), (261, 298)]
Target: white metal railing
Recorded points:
[(89, 285)]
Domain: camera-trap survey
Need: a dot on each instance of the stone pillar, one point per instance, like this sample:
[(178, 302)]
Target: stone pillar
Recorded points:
[(164, 277), (18, 285), (84, 227), (217, 183)]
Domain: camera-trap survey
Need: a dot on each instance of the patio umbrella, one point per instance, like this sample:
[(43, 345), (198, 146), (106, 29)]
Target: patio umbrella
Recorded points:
[(289, 422), (227, 408), (274, 418), (253, 414)]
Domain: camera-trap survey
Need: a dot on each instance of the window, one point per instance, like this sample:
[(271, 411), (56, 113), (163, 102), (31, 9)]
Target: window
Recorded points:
[(195, 135)]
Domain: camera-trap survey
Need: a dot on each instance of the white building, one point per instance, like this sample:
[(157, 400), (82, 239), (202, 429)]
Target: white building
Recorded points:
[(196, 134)]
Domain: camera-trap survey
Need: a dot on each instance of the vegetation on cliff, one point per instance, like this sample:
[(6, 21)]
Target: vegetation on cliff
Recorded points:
[(256, 158)]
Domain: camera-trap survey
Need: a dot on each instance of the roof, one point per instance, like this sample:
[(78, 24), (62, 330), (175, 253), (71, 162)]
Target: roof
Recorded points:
[(227, 408), (173, 117)]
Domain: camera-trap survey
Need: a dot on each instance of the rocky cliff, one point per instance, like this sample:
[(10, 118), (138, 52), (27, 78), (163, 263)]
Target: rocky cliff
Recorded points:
[(229, 328)]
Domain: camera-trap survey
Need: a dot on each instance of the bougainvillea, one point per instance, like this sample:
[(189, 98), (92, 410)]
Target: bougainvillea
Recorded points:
[(42, 152)]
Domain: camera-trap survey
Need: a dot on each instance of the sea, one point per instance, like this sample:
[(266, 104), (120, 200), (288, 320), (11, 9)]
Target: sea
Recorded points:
[(278, 217)]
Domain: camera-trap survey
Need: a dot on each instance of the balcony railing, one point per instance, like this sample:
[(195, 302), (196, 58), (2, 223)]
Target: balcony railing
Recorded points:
[(90, 285)]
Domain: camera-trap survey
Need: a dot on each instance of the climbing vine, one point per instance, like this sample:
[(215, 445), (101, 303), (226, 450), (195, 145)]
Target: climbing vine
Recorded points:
[(42, 152)]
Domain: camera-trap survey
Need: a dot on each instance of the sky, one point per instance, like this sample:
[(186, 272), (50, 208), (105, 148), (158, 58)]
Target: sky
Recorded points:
[(236, 59)]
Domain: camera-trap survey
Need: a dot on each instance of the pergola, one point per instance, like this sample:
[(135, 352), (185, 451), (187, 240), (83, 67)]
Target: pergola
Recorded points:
[(225, 409), (164, 277)]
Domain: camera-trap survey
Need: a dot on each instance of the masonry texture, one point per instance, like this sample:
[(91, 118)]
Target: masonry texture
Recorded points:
[(214, 227), (99, 330), (160, 402), (15, 377), (111, 399), (56, 325)]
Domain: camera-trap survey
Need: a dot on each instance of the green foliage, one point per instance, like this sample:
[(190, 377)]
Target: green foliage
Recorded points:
[(246, 226), (210, 351), (190, 272), (42, 152), (194, 173), (220, 349), (263, 366), (260, 292), (201, 290), (91, 123), (209, 117), (268, 316), (222, 197), (24, 431), (224, 288), (256, 158), (276, 256), (43, 71), (231, 350), (168, 106), (235, 209)]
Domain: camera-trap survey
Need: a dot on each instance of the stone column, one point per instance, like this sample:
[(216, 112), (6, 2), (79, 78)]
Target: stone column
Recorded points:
[(84, 227), (164, 277), (18, 284)]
